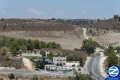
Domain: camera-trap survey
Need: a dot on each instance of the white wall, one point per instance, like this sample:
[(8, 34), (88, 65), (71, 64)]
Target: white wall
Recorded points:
[(31, 53), (59, 60), (69, 64)]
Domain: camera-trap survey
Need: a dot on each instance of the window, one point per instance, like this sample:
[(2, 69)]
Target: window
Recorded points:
[(60, 64), (57, 64), (63, 63), (63, 59)]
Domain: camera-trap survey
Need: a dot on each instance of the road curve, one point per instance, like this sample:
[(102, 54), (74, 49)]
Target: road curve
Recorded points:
[(94, 67), (94, 63)]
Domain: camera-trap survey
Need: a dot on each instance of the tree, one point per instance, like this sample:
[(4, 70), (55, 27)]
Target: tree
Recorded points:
[(37, 44), (98, 19), (109, 50), (50, 55), (13, 50), (3, 51), (40, 62), (119, 19), (21, 44), (116, 16), (49, 45), (30, 44), (11, 76), (75, 58), (2, 20), (7, 57), (23, 47), (35, 78), (53, 19), (112, 60), (4, 26), (43, 53), (89, 46)]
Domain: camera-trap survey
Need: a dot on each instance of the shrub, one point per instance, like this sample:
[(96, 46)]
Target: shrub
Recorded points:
[(3, 51), (11, 76)]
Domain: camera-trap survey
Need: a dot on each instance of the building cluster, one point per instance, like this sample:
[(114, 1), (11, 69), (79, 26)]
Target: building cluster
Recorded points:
[(60, 63), (57, 63)]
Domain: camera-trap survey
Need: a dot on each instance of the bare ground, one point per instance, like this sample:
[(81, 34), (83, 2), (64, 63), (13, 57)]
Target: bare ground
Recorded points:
[(109, 38), (67, 39)]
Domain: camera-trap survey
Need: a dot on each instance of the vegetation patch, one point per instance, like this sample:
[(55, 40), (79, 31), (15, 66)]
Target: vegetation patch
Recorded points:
[(16, 45)]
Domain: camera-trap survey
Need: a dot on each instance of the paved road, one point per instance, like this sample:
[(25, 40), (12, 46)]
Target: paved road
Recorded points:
[(94, 67)]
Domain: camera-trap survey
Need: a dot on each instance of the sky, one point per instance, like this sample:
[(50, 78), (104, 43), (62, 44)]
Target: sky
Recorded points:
[(64, 9)]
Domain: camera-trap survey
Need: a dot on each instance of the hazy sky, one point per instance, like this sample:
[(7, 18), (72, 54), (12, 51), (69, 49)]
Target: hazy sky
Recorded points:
[(66, 9)]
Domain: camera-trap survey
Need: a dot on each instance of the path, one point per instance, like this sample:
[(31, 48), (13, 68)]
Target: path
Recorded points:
[(84, 33), (27, 63)]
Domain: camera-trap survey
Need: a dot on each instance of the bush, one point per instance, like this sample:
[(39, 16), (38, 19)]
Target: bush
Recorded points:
[(112, 60), (2, 20), (11, 76), (1, 79), (3, 51), (7, 57), (21, 44), (80, 76), (35, 78)]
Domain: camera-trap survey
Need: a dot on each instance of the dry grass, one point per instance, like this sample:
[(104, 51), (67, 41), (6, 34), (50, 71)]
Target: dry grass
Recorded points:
[(68, 36), (29, 77), (67, 39), (109, 38)]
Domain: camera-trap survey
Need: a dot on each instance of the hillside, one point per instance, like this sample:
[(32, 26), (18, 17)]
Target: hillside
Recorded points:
[(33, 25), (70, 36), (104, 26), (67, 35), (5, 61), (105, 31), (109, 24)]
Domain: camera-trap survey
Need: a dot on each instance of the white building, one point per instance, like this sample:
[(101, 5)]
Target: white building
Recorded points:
[(59, 61), (50, 67), (73, 64), (31, 53)]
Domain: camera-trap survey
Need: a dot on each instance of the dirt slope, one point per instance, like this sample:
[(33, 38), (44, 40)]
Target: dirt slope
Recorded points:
[(68, 36)]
